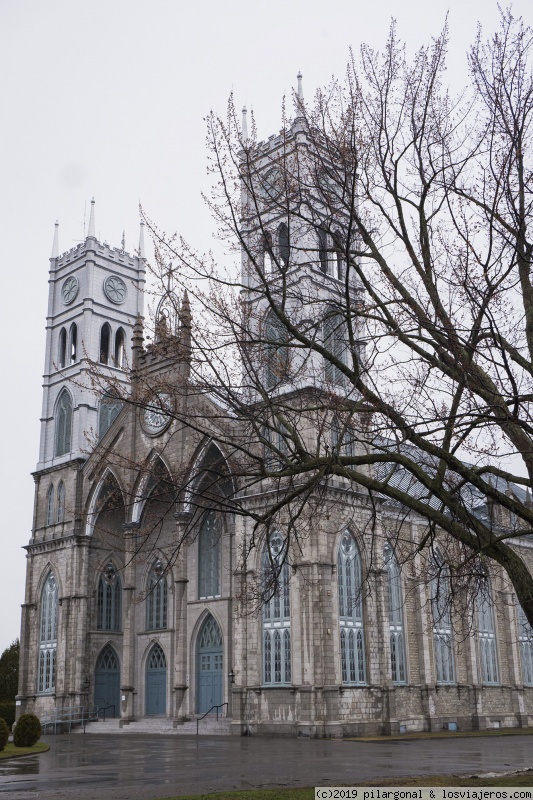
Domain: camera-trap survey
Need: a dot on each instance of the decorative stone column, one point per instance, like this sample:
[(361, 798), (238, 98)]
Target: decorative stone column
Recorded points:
[(127, 688), (181, 639)]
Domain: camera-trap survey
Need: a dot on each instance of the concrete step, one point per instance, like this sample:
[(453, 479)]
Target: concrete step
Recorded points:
[(209, 726)]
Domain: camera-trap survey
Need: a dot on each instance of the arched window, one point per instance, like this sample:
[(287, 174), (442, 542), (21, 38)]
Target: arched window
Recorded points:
[(442, 620), (276, 612), (525, 637), (120, 348), (342, 437), (73, 343), (63, 424), (336, 342), (50, 505), (277, 352), (268, 254), (105, 339), (396, 631), (156, 598), (46, 673), (323, 250), (60, 504), (109, 611), (62, 354), (209, 556), (486, 633), (283, 244), (351, 611), (339, 256), (109, 409)]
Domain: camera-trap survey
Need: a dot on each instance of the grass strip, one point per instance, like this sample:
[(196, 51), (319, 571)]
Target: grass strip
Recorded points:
[(10, 751)]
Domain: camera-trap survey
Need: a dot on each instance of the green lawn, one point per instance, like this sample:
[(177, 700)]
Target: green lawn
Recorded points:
[(10, 751)]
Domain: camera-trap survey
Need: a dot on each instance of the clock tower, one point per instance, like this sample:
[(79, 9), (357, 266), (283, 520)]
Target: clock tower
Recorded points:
[(95, 295)]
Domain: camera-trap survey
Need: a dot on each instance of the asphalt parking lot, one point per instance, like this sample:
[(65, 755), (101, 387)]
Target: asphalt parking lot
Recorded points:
[(142, 767)]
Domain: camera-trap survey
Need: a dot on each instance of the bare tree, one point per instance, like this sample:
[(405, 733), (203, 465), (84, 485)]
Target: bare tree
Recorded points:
[(379, 328)]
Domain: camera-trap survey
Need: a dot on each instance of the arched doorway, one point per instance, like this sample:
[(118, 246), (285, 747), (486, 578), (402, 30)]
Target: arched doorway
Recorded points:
[(209, 666), (156, 682), (107, 680)]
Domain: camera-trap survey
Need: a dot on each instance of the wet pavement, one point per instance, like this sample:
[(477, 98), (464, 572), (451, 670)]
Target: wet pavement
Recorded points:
[(142, 767)]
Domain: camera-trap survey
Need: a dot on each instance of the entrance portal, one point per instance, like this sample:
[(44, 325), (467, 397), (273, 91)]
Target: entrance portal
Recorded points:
[(107, 681), (156, 682), (209, 666)]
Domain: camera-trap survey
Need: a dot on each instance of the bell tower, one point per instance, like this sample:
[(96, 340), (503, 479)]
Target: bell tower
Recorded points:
[(95, 295)]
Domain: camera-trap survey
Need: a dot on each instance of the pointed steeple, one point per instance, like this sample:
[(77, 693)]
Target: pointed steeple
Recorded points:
[(185, 319), (123, 243), (137, 342), (141, 241), (244, 127), (55, 245), (300, 87), (92, 225)]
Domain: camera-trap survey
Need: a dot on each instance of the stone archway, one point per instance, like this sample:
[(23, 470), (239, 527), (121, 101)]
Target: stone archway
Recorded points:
[(156, 682), (107, 680)]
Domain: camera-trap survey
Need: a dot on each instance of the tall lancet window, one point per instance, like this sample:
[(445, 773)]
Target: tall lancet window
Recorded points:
[(525, 637), (283, 244), (63, 424), (105, 342), (336, 343), (487, 634), (109, 611), (73, 339), (46, 673), (62, 354), (120, 354), (442, 620), (397, 637), (276, 613), (276, 352), (50, 505), (60, 503), (209, 556), (351, 611), (156, 598)]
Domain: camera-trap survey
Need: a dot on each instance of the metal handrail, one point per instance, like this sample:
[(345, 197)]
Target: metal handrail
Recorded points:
[(208, 712), (96, 715)]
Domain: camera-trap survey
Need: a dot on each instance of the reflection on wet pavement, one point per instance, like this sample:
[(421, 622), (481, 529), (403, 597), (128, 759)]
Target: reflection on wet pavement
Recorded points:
[(149, 766)]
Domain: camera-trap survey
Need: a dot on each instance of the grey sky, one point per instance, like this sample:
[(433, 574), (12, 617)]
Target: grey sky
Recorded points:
[(107, 98)]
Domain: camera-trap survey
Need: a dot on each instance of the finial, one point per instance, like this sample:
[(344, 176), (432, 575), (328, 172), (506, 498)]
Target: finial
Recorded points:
[(141, 241), (123, 242), (55, 246), (244, 130), (300, 87), (92, 227)]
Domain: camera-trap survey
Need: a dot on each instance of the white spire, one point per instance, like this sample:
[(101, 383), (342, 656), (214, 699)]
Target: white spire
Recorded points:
[(300, 87), (92, 228), (141, 241), (244, 129), (123, 240), (55, 246)]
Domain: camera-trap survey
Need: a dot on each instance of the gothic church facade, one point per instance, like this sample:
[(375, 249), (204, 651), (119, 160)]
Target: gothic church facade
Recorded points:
[(351, 642)]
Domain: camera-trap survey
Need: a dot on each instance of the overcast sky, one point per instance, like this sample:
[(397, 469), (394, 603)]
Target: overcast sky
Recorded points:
[(107, 99)]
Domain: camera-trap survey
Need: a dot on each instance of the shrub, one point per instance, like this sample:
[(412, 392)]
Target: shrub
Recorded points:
[(8, 711), (27, 731), (4, 733)]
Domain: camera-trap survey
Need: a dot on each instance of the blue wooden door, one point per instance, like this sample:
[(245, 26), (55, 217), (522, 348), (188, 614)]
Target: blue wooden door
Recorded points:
[(156, 682), (107, 681), (210, 667)]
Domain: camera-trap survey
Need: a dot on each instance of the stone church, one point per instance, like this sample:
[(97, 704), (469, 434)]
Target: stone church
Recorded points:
[(126, 610)]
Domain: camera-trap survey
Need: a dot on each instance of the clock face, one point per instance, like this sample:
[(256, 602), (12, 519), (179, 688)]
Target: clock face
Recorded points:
[(69, 290), (115, 289), (157, 415)]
